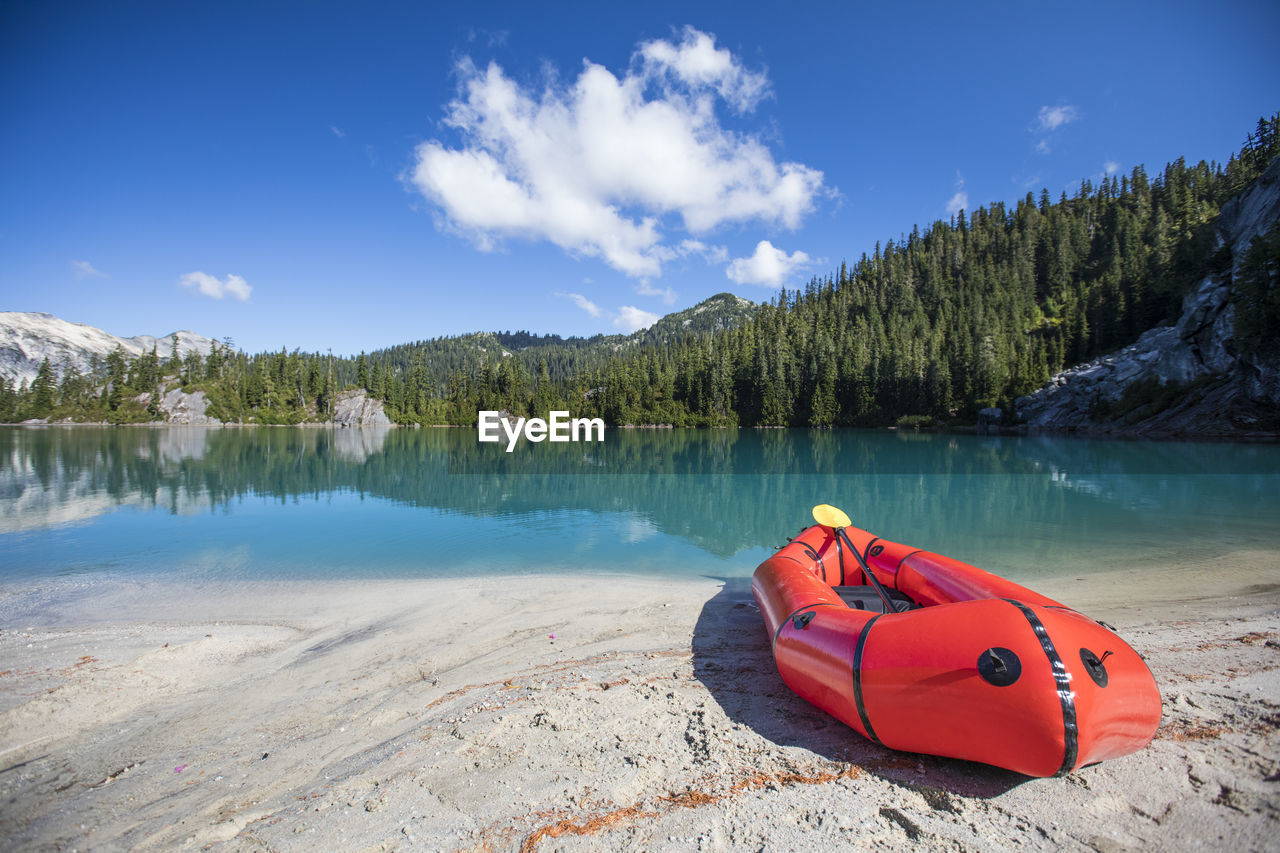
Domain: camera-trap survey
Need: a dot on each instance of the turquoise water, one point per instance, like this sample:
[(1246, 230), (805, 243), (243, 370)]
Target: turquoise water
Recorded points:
[(278, 503)]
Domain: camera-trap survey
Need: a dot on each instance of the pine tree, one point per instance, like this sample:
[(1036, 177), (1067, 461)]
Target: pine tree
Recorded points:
[(362, 372), (117, 368), (1257, 293), (43, 391), (8, 401)]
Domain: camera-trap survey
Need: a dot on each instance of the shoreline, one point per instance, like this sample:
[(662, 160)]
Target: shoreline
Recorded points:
[(1256, 437), (550, 711)]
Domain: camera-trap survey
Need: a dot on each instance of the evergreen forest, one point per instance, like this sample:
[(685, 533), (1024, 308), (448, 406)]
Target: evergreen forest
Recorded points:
[(929, 327)]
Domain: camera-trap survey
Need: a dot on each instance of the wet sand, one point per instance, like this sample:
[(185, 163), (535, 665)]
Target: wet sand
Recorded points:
[(578, 713)]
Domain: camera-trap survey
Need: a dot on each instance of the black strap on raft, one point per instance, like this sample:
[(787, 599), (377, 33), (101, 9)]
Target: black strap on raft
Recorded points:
[(1066, 695), (814, 555), (884, 596)]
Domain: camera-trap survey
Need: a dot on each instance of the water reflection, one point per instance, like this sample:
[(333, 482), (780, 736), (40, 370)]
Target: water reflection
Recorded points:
[(991, 500), (357, 445)]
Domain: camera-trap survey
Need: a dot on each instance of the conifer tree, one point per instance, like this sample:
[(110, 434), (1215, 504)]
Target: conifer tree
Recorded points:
[(362, 372), (43, 391), (117, 368)]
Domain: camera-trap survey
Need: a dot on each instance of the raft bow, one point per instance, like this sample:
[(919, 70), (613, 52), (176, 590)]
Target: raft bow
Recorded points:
[(923, 653)]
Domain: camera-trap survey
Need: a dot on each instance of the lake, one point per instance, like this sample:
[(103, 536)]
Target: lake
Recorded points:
[(288, 503)]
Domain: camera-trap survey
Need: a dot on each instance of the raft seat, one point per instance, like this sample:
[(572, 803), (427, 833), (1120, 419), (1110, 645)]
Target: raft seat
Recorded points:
[(866, 598)]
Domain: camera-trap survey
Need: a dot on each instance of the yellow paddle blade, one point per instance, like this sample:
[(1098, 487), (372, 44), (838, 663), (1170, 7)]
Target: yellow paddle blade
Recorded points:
[(829, 516)]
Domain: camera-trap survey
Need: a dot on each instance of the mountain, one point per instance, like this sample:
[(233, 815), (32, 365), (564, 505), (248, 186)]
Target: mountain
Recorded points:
[(714, 314), (27, 338), (565, 357)]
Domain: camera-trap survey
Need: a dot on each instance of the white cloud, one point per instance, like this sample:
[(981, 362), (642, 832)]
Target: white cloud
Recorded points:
[(711, 254), (767, 266), (632, 318), (1048, 121), (595, 166), (959, 201), (628, 316), (1051, 118), (84, 269), (698, 65), (582, 302), (644, 288), (1110, 167), (207, 285), (337, 131)]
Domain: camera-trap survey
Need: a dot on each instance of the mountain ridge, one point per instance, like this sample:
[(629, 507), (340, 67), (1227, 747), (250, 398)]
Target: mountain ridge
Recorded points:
[(565, 356), (29, 337)]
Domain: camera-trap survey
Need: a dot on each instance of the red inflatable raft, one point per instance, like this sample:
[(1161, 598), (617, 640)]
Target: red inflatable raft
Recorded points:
[(923, 653)]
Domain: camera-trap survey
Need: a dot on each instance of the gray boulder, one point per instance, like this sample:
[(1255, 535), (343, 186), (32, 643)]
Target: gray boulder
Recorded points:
[(179, 407), (356, 408)]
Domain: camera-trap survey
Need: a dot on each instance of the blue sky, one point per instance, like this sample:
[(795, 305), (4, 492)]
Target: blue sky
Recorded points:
[(351, 176)]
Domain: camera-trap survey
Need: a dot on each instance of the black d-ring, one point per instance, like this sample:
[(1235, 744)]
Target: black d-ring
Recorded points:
[(801, 620)]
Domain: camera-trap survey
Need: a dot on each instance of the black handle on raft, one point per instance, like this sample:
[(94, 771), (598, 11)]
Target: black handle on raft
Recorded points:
[(1096, 666), (801, 620), (999, 666), (889, 606)]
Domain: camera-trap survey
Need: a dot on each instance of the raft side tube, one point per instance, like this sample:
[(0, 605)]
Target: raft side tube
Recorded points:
[(781, 591), (923, 689), (886, 558), (1118, 705), (934, 579), (815, 657)]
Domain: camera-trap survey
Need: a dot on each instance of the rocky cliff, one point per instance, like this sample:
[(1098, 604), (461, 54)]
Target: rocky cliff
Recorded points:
[(179, 407), (1186, 379), (356, 408)]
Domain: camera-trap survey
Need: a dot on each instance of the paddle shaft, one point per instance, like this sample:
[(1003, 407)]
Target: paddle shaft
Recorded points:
[(866, 569)]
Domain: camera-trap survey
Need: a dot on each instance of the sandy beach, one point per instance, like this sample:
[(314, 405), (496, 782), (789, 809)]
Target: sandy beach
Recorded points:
[(577, 713)]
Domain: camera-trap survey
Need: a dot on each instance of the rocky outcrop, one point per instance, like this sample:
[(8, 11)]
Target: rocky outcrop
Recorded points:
[(989, 420), (1189, 378), (179, 407), (356, 408)]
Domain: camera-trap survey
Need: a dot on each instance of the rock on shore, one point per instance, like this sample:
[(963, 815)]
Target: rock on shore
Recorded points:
[(356, 408), (179, 407)]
